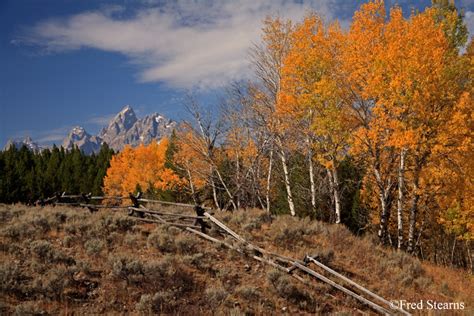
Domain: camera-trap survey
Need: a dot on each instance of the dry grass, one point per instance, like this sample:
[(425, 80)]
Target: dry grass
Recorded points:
[(64, 260)]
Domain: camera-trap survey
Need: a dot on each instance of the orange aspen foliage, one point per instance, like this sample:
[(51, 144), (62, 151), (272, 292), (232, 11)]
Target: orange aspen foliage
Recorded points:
[(142, 167), (310, 94), (404, 81), (310, 90), (451, 173), (121, 165), (191, 160)]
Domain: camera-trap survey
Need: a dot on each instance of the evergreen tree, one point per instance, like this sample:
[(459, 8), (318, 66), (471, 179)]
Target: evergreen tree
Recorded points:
[(26, 176)]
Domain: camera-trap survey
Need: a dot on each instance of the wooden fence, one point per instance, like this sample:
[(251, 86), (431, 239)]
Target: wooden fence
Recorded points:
[(203, 219)]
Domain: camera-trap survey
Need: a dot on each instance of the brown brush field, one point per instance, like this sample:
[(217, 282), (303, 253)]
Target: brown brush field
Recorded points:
[(59, 260)]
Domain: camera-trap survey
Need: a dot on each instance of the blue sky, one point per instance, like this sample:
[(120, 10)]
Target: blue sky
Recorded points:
[(66, 63)]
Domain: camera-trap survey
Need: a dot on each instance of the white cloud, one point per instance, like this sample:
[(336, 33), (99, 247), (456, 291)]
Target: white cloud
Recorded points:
[(100, 121), (55, 135), (52, 138), (183, 44)]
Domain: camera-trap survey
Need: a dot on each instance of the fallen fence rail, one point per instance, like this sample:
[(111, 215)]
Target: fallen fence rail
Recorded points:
[(360, 287), (244, 247), (296, 264)]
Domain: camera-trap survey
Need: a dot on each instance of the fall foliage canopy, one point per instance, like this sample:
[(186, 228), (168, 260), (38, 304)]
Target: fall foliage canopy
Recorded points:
[(369, 126), (142, 167)]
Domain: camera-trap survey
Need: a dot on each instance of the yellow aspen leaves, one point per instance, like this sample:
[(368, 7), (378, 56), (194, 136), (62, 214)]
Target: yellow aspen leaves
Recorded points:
[(142, 167)]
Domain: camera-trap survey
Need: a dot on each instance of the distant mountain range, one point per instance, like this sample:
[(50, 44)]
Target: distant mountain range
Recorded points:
[(124, 129), (27, 141)]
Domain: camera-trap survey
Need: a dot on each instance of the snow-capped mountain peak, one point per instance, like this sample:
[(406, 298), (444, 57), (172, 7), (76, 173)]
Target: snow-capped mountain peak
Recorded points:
[(83, 140), (78, 132), (124, 129), (27, 141), (127, 117), (126, 108), (123, 121)]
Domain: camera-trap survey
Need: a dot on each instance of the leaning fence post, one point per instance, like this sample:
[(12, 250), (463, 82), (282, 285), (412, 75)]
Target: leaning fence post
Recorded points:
[(40, 202), (58, 197), (136, 204), (200, 213), (87, 199)]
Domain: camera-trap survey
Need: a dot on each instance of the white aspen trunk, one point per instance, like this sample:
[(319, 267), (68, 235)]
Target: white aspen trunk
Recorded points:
[(469, 256), (191, 184), (452, 251), (337, 198), (214, 192), (413, 210), (238, 181), (335, 194), (401, 183), (269, 178), (384, 197), (383, 217), (226, 190), (256, 185), (311, 175), (291, 205), (262, 206), (331, 184)]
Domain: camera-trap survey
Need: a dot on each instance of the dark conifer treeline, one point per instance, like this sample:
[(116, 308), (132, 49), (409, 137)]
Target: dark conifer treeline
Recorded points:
[(26, 176)]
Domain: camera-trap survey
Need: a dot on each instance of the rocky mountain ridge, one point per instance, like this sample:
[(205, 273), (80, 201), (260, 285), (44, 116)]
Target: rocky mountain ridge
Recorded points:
[(27, 141), (124, 129), (84, 141)]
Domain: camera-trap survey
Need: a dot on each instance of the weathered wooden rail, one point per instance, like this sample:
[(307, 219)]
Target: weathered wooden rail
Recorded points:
[(199, 224)]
